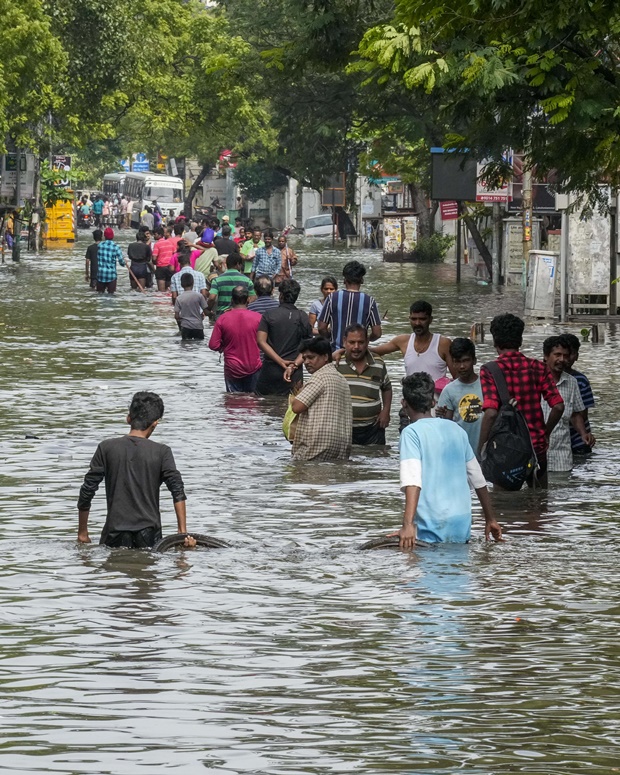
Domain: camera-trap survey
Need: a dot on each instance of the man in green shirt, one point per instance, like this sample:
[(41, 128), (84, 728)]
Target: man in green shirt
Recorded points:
[(220, 293), (249, 249)]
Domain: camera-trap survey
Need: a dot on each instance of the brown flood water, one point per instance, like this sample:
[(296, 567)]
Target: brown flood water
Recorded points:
[(290, 652)]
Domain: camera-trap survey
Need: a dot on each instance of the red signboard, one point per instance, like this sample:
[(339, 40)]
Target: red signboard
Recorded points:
[(449, 211)]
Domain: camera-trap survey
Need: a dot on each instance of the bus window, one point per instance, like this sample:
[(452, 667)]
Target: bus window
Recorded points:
[(164, 193)]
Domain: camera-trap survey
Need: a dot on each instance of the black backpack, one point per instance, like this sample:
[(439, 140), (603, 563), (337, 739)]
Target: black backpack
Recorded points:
[(508, 457)]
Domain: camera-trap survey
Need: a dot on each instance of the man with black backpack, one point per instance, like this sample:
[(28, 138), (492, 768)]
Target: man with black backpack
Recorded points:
[(512, 388)]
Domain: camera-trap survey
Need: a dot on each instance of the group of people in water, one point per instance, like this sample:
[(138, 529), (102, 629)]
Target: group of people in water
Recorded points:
[(448, 411)]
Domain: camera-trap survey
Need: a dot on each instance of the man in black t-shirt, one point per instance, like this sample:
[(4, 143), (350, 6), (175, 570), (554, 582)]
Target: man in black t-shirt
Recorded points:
[(133, 468), (279, 335), (91, 259), (224, 244)]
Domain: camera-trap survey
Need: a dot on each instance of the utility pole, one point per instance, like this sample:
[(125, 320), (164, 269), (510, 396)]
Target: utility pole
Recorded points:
[(497, 245), (527, 216), (17, 220), (459, 240)]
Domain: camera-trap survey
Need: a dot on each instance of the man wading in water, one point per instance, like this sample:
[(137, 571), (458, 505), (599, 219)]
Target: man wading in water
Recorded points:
[(133, 468), (437, 470), (422, 350)]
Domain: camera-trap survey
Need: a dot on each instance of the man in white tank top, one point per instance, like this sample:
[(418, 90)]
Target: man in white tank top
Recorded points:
[(422, 350)]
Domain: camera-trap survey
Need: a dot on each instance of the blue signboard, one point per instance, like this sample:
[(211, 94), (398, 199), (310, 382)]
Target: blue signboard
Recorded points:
[(124, 164), (140, 163)]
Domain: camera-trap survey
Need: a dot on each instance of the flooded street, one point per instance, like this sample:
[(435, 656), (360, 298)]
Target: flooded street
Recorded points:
[(290, 652)]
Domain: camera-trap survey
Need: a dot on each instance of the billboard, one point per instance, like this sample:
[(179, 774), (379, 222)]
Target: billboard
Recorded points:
[(8, 175), (453, 176), (333, 194), (485, 192)]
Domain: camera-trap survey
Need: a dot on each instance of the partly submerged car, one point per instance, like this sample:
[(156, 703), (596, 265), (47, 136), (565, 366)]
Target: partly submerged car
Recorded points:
[(319, 226)]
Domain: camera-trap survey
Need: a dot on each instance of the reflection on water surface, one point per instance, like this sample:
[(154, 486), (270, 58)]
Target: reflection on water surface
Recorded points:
[(291, 652)]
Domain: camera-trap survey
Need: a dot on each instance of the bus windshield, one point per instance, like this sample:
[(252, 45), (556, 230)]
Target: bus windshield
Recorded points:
[(164, 193)]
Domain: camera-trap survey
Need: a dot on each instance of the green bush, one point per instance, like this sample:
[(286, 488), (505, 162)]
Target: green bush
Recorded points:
[(433, 249)]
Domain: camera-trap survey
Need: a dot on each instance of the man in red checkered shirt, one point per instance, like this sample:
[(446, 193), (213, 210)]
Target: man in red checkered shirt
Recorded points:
[(528, 381)]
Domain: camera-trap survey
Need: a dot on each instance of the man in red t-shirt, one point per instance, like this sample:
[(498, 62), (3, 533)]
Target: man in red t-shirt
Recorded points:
[(234, 334), (163, 250), (528, 381)]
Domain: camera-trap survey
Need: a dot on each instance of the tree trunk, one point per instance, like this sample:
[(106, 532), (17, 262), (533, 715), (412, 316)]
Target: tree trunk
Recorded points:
[(419, 200), (434, 208), (188, 205), (480, 244)]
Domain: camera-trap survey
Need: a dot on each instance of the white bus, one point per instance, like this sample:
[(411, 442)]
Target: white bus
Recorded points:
[(144, 188), (113, 183)]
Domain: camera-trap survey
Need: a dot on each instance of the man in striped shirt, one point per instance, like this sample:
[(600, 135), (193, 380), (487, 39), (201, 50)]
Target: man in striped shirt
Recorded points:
[(371, 390), (346, 307), (220, 293)]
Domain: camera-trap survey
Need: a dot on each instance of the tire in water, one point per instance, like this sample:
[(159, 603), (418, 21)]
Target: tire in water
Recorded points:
[(177, 540)]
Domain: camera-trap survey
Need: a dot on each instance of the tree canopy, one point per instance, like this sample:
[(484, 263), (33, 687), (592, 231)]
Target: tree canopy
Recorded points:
[(512, 74), (312, 87)]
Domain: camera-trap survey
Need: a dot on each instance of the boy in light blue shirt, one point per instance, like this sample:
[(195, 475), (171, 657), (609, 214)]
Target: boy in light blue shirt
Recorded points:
[(461, 399), (437, 469)]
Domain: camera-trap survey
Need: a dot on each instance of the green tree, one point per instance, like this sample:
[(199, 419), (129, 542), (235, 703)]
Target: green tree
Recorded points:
[(506, 73), (32, 60), (302, 50)]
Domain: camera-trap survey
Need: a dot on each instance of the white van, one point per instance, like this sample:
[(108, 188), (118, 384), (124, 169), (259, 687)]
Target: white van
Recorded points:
[(144, 188), (319, 226)]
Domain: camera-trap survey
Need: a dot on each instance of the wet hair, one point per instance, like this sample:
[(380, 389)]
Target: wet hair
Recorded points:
[(462, 348), (329, 279), (551, 342), (233, 260), (507, 331), (179, 229), (419, 391), (289, 291), (421, 308), (355, 328), (187, 281), (97, 235), (145, 409), (226, 231), (318, 344), (263, 285), (268, 233), (573, 342), (240, 294), (354, 272)]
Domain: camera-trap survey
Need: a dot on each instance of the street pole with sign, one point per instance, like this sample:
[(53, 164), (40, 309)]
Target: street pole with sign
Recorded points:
[(527, 215), (17, 220)]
